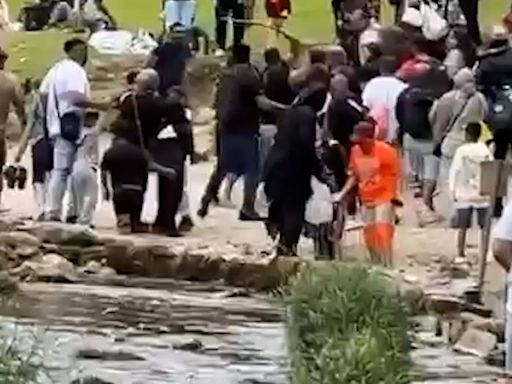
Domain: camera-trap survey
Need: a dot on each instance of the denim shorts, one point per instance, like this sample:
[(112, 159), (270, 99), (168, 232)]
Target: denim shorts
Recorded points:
[(420, 154)]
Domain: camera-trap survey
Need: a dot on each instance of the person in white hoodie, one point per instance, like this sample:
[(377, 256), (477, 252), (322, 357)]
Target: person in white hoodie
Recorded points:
[(464, 185)]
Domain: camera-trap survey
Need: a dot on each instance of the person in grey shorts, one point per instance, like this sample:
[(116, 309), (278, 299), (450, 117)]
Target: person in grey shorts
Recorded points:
[(503, 255), (464, 184)]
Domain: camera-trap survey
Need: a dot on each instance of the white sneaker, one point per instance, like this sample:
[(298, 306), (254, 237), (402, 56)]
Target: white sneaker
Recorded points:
[(219, 52)]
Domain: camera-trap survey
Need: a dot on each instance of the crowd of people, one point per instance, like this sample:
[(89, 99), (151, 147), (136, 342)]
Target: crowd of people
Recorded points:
[(388, 107), (343, 119)]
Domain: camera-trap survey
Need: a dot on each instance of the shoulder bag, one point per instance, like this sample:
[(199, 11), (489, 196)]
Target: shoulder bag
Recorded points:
[(70, 122), (438, 148)]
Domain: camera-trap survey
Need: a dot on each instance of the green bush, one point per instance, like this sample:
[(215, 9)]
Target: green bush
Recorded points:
[(346, 327)]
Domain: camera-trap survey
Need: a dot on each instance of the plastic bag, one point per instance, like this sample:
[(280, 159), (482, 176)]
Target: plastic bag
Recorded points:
[(434, 26), (150, 205), (261, 203), (319, 208)]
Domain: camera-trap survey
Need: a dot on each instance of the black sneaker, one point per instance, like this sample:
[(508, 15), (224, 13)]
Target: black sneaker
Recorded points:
[(10, 176), (21, 177), (249, 216), (186, 224), (72, 220)]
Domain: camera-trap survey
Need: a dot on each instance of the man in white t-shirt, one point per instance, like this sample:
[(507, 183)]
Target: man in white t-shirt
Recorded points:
[(66, 92), (380, 96)]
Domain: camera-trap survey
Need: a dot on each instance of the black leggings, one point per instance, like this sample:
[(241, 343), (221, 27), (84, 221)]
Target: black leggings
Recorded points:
[(42, 160), (503, 142), (129, 202), (287, 216), (470, 10)]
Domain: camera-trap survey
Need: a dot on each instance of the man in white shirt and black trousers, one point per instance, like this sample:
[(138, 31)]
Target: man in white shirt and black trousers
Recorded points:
[(67, 95)]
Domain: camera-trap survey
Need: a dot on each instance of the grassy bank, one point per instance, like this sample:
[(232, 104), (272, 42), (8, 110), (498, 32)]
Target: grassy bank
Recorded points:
[(32, 53), (345, 327)]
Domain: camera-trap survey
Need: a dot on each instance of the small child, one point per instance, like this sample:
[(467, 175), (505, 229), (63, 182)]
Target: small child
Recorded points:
[(125, 168), (84, 176), (464, 185)]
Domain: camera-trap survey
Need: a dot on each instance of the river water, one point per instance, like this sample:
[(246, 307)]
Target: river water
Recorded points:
[(144, 331), (235, 340)]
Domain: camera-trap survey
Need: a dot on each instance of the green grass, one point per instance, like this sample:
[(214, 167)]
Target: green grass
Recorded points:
[(32, 53), (346, 326)]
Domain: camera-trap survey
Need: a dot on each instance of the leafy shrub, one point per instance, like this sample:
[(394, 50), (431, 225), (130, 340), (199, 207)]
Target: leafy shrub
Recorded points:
[(346, 327)]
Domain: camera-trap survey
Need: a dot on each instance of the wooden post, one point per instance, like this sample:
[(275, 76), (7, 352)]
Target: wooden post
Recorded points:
[(493, 183)]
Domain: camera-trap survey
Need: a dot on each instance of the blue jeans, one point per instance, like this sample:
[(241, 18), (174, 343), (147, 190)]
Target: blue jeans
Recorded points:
[(239, 155), (180, 11), (64, 154)]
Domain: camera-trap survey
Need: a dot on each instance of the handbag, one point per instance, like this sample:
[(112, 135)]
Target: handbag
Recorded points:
[(150, 204), (438, 152), (70, 122)]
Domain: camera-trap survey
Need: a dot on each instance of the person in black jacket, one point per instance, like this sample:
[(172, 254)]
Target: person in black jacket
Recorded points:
[(494, 78), (291, 163), (412, 112)]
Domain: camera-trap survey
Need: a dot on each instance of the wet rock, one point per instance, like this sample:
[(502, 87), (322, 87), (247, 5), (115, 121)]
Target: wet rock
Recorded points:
[(95, 253), (459, 269), (491, 325), (456, 329), (8, 285), (497, 357), (406, 286), (48, 268), (237, 293), (7, 256), (191, 346), (112, 355), (64, 234), (478, 309), (17, 239), (96, 268), (70, 252), (425, 323), (444, 305), (27, 252), (475, 342), (90, 380)]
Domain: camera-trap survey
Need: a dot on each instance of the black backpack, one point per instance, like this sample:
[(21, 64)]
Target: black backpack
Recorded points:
[(500, 109), (413, 107)]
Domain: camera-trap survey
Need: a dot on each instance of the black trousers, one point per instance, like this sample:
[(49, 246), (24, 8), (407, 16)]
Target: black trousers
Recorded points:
[(503, 143), (287, 216), (128, 202), (223, 9), (336, 9), (170, 193), (470, 10)]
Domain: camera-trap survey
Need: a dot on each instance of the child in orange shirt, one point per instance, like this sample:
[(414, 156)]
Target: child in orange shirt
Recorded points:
[(374, 168)]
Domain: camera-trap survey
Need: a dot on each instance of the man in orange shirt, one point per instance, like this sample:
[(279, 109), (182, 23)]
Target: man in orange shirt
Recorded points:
[(374, 168)]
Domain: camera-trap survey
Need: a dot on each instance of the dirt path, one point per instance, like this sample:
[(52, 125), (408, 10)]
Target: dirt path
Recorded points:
[(419, 251)]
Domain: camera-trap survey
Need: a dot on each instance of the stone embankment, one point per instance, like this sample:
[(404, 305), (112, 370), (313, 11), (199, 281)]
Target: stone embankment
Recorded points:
[(54, 252)]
